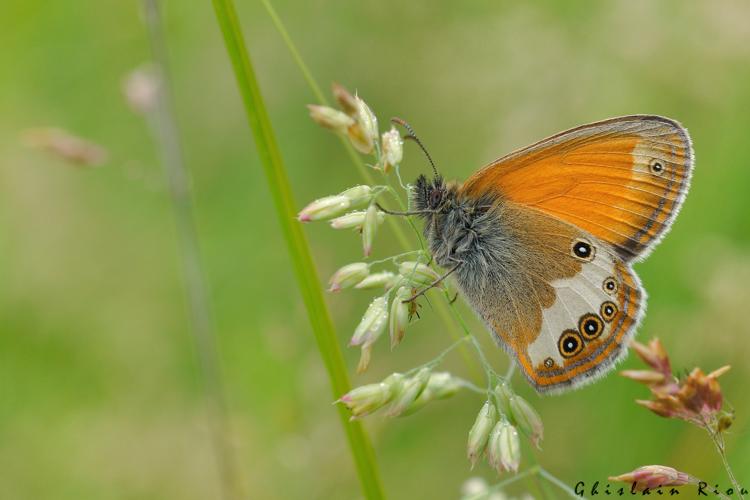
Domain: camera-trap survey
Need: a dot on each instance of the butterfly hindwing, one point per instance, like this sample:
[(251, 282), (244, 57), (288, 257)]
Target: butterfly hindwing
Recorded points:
[(560, 300), (622, 180), (587, 329)]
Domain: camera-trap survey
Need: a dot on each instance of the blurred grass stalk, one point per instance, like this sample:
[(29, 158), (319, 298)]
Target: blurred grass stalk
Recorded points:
[(299, 250), (166, 136), (440, 307)]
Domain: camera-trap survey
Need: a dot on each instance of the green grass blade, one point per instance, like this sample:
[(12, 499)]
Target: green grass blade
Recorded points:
[(299, 251)]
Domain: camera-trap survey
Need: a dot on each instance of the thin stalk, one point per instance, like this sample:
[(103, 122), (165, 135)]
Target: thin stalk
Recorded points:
[(490, 372), (299, 250), (318, 93), (718, 441), (542, 485), (295, 53), (507, 482), (536, 470), (203, 329), (564, 487), (443, 312), (439, 358), (471, 387)]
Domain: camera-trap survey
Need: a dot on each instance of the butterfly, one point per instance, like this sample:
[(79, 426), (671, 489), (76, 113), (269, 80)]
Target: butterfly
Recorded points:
[(541, 242)]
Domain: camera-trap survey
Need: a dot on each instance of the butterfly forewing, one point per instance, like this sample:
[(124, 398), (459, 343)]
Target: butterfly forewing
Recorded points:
[(622, 180)]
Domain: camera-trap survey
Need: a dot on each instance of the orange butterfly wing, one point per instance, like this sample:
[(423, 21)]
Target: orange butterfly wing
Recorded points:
[(623, 180)]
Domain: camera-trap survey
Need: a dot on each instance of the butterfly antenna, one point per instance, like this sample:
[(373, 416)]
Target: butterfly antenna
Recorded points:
[(411, 135)]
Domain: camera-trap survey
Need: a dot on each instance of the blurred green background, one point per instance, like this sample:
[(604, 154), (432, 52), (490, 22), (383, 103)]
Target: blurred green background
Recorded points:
[(99, 385)]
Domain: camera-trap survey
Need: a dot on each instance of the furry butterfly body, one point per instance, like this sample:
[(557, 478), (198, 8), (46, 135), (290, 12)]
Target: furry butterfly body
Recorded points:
[(541, 241)]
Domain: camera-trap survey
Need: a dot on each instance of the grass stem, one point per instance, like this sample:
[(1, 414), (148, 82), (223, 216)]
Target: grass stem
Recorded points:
[(718, 439), (299, 251)]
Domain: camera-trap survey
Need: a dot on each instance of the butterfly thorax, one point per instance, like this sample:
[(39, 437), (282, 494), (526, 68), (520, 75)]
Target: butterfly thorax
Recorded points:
[(457, 227)]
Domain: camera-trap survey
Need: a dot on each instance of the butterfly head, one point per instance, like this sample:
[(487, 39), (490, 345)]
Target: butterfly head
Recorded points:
[(430, 196)]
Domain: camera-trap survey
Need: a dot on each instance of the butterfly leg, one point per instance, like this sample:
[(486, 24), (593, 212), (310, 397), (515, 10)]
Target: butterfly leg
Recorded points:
[(433, 284)]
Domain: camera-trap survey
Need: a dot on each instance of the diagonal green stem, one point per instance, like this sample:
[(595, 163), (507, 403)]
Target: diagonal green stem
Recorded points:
[(539, 471), (305, 272), (564, 487), (318, 93), (306, 73)]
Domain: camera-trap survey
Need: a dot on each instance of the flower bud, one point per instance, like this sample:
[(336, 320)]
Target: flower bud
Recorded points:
[(142, 88), (358, 195), (700, 393), (366, 399), (647, 377), (504, 448), (474, 487), (653, 355), (359, 140), (719, 372), (410, 391), (382, 279), (345, 99), (480, 432), (399, 316), (324, 208), (503, 394), (417, 273), (396, 382), (369, 228), (527, 418), (372, 323), (348, 276), (364, 132), (668, 406), (365, 354), (655, 476), (393, 149), (330, 118), (354, 220), (439, 386), (367, 119)]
